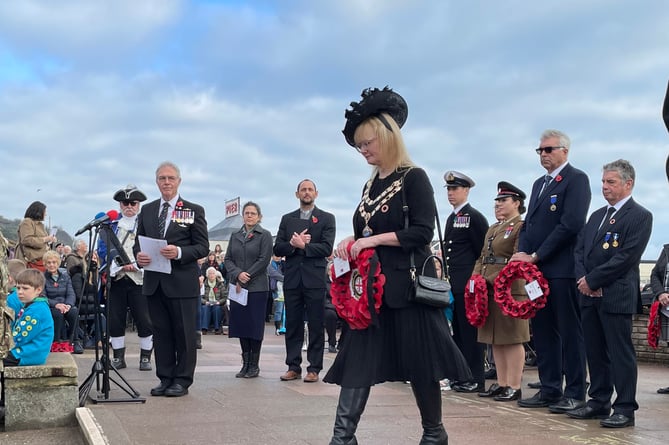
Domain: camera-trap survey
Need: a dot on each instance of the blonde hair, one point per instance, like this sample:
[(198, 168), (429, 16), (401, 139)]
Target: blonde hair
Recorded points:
[(50, 254), (393, 151)]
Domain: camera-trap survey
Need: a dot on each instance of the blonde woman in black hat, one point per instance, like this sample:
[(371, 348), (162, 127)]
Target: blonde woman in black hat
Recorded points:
[(411, 342), (126, 285), (504, 333)]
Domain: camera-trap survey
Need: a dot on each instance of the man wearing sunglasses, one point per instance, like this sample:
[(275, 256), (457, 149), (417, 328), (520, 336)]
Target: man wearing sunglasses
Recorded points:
[(555, 215), (126, 284)]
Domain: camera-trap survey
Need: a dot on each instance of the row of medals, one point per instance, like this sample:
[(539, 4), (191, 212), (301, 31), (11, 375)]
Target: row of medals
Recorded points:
[(183, 216)]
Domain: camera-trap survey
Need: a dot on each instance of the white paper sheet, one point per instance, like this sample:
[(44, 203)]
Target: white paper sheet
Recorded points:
[(152, 246), (241, 297)]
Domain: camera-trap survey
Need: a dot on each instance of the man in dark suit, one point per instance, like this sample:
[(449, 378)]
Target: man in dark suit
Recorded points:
[(173, 298), (463, 240), (555, 215), (607, 266), (305, 239)]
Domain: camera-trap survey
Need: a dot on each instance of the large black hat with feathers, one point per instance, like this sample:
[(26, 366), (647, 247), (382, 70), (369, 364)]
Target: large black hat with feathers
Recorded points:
[(374, 102)]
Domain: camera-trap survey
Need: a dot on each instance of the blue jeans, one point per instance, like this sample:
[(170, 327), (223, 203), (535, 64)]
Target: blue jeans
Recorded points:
[(207, 312)]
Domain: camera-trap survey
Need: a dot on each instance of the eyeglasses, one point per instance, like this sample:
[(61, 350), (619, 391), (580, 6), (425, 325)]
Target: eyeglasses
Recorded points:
[(129, 203), (548, 150), (364, 145)]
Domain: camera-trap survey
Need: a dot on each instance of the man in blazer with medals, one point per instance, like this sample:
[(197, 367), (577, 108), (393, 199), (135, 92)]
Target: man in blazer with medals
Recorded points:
[(607, 255), (173, 298), (305, 239), (464, 235), (556, 213)]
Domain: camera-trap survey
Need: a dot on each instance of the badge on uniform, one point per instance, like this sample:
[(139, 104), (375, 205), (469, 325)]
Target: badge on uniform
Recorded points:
[(615, 240), (508, 231), (553, 201)]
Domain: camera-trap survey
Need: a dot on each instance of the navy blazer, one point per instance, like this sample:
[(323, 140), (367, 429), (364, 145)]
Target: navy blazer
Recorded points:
[(554, 220), (306, 267), (614, 269), (193, 240)]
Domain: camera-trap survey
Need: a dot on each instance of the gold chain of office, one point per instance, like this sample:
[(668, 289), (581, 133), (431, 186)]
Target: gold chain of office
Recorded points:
[(377, 202)]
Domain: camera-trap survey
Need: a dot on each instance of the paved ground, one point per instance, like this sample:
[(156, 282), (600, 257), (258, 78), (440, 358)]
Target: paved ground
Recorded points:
[(221, 409)]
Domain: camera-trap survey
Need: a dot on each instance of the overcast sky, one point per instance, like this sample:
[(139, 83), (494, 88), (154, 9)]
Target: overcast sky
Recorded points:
[(248, 97)]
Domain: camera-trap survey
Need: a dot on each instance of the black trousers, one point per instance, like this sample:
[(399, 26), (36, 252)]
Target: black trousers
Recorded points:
[(558, 340), (465, 336), (299, 302), (126, 294), (611, 359), (70, 317), (174, 325)]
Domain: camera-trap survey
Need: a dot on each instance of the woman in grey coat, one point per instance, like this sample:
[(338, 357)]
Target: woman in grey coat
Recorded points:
[(246, 259)]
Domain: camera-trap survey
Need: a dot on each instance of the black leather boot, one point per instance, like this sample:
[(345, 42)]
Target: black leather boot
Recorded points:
[(253, 369), (246, 356), (352, 403), (145, 359), (428, 399), (119, 358)]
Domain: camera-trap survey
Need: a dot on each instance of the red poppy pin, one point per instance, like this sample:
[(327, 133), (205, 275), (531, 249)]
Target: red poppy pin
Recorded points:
[(180, 204), (215, 289), (314, 219), (250, 235), (558, 178)]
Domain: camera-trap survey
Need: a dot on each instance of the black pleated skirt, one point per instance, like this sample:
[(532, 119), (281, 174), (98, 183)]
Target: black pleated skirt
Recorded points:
[(410, 344)]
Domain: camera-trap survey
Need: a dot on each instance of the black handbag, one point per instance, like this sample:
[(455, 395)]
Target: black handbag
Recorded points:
[(428, 290)]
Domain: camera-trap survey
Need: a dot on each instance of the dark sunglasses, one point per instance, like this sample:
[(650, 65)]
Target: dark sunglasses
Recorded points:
[(548, 150), (129, 203)]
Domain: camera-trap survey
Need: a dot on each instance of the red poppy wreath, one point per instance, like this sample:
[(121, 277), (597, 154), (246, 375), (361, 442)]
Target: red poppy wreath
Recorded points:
[(476, 301), (654, 325), (502, 287), (350, 291)]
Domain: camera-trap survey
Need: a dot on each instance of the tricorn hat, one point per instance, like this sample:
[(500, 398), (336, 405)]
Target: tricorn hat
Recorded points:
[(129, 193), (505, 189), (374, 102)]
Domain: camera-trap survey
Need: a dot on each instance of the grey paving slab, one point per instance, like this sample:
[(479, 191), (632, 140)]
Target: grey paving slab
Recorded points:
[(221, 409)]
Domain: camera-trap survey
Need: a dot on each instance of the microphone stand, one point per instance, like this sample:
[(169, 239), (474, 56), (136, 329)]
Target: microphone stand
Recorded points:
[(102, 366)]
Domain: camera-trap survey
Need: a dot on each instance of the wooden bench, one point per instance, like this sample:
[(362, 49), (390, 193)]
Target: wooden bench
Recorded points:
[(44, 396)]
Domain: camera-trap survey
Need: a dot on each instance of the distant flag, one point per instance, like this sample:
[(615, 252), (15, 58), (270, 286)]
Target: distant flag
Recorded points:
[(232, 207)]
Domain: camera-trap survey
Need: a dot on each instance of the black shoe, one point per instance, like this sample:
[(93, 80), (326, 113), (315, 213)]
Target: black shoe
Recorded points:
[(176, 390), (160, 389), (588, 412), (493, 391), (508, 395), (536, 401), (664, 390), (490, 374), (566, 404), (468, 387), (534, 385), (77, 347), (617, 421)]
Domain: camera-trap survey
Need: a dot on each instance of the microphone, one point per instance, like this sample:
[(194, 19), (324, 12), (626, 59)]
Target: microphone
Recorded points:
[(100, 218)]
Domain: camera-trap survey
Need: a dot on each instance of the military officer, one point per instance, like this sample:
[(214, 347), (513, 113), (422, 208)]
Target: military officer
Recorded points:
[(463, 240)]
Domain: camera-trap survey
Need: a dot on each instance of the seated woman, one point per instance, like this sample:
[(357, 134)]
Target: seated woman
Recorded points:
[(213, 301), (60, 294)]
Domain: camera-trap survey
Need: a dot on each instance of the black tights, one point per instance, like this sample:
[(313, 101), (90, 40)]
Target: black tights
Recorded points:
[(250, 344)]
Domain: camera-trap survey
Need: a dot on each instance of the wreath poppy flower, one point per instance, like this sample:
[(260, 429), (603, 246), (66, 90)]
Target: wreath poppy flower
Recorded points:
[(476, 301), (349, 291), (502, 290), (654, 325)]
